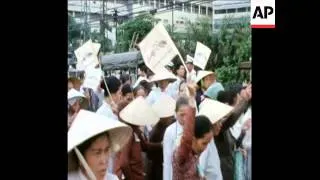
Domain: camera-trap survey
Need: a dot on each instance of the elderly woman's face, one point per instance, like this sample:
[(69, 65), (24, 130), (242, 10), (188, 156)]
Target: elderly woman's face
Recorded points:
[(97, 156)]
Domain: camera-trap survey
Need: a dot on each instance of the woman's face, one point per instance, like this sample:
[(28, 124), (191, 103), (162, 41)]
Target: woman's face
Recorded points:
[(141, 92), (76, 106), (97, 156), (207, 81), (181, 113), (128, 97), (200, 144), (181, 71), (163, 84)]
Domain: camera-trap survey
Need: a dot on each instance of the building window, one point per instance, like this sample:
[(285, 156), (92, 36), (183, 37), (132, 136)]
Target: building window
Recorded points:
[(203, 10), (161, 3), (141, 2), (231, 10), (196, 9), (178, 7), (181, 22), (249, 9), (242, 9), (187, 7), (209, 11), (220, 11)]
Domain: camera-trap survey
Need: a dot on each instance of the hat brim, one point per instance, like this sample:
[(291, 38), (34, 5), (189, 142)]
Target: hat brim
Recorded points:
[(139, 113), (118, 138), (214, 110), (203, 75)]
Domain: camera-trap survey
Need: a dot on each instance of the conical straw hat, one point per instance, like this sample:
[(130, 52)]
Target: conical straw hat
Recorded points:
[(139, 113), (214, 110), (164, 106), (201, 74)]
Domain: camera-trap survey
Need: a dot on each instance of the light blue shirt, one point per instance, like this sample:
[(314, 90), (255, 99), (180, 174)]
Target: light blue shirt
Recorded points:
[(171, 140), (210, 162), (105, 109)]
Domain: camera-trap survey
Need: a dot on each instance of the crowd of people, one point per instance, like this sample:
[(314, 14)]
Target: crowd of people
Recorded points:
[(171, 125)]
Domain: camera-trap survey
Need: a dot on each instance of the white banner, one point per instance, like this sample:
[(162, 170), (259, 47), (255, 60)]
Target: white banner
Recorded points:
[(201, 56), (157, 48), (93, 77), (87, 55)]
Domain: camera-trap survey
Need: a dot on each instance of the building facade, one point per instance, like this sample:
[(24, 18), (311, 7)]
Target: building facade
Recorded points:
[(236, 11), (90, 11)]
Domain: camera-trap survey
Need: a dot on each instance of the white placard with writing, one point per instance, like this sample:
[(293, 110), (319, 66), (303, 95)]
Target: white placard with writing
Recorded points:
[(86, 56), (157, 48), (201, 56)]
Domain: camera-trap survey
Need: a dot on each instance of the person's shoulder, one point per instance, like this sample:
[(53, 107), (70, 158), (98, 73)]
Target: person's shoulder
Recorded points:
[(112, 177), (171, 127), (73, 175)]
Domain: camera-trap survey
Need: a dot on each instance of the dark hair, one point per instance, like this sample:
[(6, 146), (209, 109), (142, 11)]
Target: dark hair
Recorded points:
[(235, 87), (181, 101), (126, 89), (227, 97), (85, 145), (113, 85), (124, 78), (147, 86), (202, 126)]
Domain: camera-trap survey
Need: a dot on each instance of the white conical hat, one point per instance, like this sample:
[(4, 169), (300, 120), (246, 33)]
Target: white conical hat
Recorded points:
[(88, 124), (72, 93), (163, 75), (201, 74), (164, 106), (139, 113), (139, 80), (214, 110)]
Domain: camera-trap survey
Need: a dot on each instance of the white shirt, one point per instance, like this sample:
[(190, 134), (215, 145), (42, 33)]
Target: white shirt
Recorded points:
[(100, 96), (237, 127), (155, 94), (78, 175), (105, 109), (171, 140), (210, 162), (192, 75)]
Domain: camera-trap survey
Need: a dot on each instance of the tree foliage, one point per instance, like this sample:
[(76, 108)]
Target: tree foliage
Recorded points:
[(141, 25), (230, 46)]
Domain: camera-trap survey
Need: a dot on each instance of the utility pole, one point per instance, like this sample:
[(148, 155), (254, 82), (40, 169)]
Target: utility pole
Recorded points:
[(172, 4), (85, 20), (102, 25), (115, 19)]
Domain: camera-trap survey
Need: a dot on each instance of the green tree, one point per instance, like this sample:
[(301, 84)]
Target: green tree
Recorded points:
[(230, 46), (140, 25)]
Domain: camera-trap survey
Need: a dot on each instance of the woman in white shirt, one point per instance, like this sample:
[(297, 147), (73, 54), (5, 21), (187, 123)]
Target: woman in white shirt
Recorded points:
[(91, 139), (172, 137), (109, 106)]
